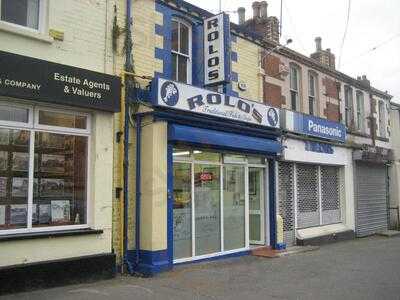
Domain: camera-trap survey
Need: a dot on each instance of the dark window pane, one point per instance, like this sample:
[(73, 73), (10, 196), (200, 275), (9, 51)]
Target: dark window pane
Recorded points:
[(293, 95), (21, 12), (174, 66), (174, 36), (59, 194), (182, 69), (62, 120), (184, 38), (311, 105)]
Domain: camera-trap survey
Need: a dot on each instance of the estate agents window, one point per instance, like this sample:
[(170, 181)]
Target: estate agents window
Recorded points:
[(26, 13), (348, 102), (181, 52), (43, 169), (312, 86), (294, 86), (360, 111)]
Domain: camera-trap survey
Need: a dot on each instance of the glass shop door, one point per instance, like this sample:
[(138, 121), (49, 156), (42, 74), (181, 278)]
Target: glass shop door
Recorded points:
[(256, 205)]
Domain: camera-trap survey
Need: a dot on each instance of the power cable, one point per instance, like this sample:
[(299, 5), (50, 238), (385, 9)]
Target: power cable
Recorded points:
[(297, 38), (345, 32)]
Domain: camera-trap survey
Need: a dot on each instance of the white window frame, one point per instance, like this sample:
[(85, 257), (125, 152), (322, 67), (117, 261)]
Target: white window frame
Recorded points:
[(360, 111), (382, 119), (33, 128), (297, 90), (312, 76), (25, 30), (348, 106), (177, 53)]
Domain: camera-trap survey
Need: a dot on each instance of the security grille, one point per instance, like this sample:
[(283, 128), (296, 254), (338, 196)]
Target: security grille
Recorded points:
[(286, 200), (330, 192), (308, 213)]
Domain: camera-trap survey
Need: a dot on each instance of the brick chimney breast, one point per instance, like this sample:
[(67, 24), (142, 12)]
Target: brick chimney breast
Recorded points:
[(256, 10), (264, 10)]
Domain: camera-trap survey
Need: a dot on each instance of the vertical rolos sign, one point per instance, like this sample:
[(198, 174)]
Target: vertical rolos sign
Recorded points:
[(217, 62)]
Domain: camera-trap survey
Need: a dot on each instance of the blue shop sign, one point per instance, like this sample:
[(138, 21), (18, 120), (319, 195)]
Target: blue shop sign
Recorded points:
[(318, 147), (319, 127)]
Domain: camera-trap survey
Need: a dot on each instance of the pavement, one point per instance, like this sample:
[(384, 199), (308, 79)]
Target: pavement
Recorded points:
[(367, 268)]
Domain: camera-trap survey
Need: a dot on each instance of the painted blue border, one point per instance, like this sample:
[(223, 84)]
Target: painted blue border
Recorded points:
[(170, 203), (214, 258), (272, 203)]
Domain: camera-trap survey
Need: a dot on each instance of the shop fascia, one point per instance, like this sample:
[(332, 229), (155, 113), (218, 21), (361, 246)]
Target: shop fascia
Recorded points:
[(179, 96)]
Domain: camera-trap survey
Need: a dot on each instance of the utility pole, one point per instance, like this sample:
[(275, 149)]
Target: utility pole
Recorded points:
[(280, 21), (220, 6)]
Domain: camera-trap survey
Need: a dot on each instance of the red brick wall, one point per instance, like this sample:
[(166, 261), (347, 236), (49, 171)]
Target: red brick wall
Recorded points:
[(273, 95), (331, 112), (271, 66), (330, 87)]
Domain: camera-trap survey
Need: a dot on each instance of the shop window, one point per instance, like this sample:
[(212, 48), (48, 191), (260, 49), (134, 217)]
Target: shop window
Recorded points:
[(26, 13), (360, 111), (294, 87), (348, 102), (43, 173), (181, 51)]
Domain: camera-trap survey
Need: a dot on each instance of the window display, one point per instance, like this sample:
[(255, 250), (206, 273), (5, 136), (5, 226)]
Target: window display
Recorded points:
[(58, 194)]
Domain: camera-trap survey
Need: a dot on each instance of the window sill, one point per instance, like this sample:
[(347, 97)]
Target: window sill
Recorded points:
[(25, 32), (49, 234)]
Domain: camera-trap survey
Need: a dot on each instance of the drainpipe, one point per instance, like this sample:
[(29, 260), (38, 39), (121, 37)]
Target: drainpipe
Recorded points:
[(128, 68), (138, 187)]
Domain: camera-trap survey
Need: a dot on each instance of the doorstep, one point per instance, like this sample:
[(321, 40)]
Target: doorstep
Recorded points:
[(272, 253), (389, 233)]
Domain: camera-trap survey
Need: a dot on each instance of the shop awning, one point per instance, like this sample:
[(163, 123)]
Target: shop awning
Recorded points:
[(223, 140)]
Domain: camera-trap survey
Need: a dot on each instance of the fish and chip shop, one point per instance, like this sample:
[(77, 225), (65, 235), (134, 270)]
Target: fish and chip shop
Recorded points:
[(315, 175), (207, 175)]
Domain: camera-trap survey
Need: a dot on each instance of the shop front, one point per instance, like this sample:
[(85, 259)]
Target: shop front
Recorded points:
[(314, 187), (220, 174), (56, 141)]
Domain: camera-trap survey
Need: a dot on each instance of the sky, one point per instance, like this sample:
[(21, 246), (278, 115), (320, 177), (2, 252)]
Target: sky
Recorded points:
[(372, 24)]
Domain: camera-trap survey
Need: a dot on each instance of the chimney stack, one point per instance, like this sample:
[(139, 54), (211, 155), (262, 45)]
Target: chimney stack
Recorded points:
[(256, 9), (264, 10), (318, 43), (242, 15)]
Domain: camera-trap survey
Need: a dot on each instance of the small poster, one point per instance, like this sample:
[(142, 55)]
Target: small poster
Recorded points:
[(60, 211), (50, 187), (3, 160), (21, 137), (3, 186), (20, 187), (18, 214), (4, 136), (44, 213), (2, 215), (20, 161), (53, 163)]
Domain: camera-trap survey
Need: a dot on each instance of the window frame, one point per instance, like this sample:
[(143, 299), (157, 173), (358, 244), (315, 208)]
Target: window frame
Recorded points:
[(42, 20), (312, 75), (348, 106), (33, 128), (382, 119), (294, 91), (178, 53), (360, 111)]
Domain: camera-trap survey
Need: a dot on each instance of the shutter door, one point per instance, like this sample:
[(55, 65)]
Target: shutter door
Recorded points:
[(372, 210), (286, 200)]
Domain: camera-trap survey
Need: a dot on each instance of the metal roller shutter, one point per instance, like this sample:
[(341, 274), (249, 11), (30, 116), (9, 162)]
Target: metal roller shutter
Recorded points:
[(308, 209), (286, 201), (371, 195)]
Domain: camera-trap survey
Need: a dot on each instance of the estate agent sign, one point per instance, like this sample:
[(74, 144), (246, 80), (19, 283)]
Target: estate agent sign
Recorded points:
[(189, 98), (33, 79)]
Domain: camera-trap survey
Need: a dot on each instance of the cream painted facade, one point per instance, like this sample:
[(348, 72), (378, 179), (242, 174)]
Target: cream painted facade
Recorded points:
[(394, 174), (86, 27)]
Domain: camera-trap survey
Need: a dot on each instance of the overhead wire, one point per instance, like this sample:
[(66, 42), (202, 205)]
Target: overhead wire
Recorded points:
[(345, 33)]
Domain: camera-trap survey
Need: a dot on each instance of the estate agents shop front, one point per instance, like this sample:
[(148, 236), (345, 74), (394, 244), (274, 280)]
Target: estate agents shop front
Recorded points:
[(219, 175), (314, 181), (56, 141)]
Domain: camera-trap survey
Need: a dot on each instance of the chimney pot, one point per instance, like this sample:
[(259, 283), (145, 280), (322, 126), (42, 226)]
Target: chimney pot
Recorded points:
[(242, 15), (318, 43), (256, 9), (264, 10)]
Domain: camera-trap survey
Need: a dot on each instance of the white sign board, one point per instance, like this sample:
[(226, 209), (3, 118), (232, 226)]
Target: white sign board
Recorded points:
[(189, 98), (216, 49)]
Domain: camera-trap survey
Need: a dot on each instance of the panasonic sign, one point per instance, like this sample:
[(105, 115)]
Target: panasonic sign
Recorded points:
[(216, 49)]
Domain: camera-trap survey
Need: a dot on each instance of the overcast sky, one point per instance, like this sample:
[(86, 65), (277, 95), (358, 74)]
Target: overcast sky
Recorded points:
[(372, 23)]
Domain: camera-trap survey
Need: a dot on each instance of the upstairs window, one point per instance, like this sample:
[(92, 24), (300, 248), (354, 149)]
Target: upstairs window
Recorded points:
[(360, 111), (348, 102), (294, 87), (25, 13), (382, 119), (312, 87), (181, 52)]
